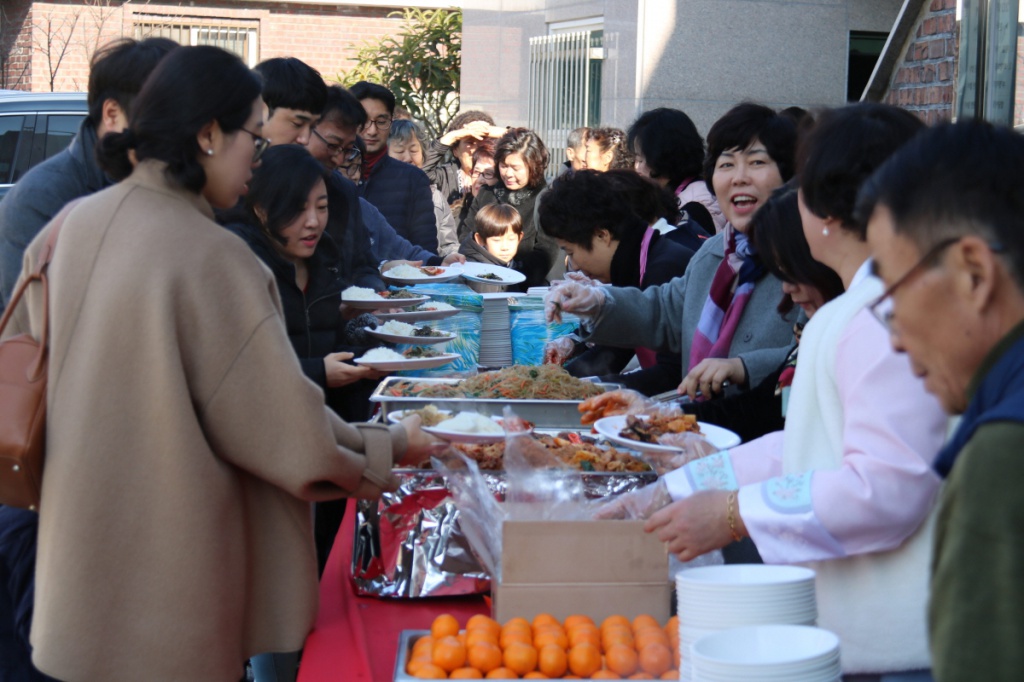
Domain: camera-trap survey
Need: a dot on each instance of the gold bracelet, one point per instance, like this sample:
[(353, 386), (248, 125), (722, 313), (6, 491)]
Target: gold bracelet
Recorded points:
[(732, 517)]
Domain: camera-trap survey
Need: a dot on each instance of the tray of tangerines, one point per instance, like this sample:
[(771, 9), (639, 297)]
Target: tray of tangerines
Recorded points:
[(545, 649)]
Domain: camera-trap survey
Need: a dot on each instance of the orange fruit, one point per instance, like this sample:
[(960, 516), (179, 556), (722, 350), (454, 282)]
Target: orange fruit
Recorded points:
[(615, 634), (535, 676), (423, 644), (647, 635), (672, 625), (544, 619), (466, 674), (584, 659), (482, 622), (520, 657), (655, 659), (605, 675), (670, 675), (430, 672), (502, 673), (417, 662), (585, 633), (676, 657), (644, 619), (621, 659), (450, 653), (640, 676), (484, 656), (551, 635), (511, 636), (444, 625), (517, 622), (616, 620), (552, 660), (578, 619), (480, 635)]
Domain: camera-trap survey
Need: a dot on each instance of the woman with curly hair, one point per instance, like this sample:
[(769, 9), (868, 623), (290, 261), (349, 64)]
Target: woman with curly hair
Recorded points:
[(607, 149)]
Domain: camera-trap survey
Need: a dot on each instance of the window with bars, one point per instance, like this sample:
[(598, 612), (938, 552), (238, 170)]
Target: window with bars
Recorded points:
[(565, 87), (239, 37)]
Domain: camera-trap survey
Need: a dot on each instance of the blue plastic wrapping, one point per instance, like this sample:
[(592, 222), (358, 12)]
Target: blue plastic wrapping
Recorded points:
[(530, 332)]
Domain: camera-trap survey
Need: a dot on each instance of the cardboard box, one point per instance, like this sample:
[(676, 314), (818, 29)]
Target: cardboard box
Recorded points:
[(596, 568)]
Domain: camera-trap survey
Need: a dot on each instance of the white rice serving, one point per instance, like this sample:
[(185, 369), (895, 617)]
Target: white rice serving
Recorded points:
[(381, 354), (470, 422), (397, 328), (405, 271), (436, 305), (360, 294)]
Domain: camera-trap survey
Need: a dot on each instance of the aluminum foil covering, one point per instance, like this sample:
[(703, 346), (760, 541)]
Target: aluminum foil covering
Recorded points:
[(408, 543)]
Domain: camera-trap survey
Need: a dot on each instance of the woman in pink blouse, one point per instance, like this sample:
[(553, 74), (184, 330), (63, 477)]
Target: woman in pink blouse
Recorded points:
[(847, 487)]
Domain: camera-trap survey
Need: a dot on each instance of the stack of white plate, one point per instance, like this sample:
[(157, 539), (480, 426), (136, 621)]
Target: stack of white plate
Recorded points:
[(775, 653), (715, 598), (537, 291), (495, 334)]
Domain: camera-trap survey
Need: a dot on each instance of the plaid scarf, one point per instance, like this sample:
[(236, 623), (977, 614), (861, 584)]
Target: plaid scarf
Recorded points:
[(731, 288)]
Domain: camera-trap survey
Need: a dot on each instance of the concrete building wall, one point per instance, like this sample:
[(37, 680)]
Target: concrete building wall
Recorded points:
[(325, 35), (702, 56)]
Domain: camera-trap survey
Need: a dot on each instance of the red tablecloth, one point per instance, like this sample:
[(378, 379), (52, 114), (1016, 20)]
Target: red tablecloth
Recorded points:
[(356, 638)]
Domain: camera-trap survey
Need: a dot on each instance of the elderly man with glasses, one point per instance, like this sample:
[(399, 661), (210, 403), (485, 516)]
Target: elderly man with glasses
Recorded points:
[(945, 229), (400, 191)]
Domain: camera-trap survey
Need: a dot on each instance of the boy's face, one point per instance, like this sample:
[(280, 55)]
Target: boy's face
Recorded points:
[(287, 126), (503, 247), (378, 123)]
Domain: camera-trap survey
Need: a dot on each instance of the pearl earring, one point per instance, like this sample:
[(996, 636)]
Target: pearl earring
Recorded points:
[(209, 152), (824, 230)]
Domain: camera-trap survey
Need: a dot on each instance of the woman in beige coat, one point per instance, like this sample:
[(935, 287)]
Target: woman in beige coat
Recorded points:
[(184, 443)]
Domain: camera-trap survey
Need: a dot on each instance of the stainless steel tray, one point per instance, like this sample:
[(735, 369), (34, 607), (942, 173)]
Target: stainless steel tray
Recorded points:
[(555, 414), (406, 640)]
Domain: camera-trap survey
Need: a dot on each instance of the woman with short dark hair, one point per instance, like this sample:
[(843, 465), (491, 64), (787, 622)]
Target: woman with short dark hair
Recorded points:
[(720, 313), (183, 442), (605, 223), (522, 159), (670, 153)]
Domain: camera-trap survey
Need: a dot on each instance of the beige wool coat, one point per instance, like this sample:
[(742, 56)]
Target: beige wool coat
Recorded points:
[(183, 447)]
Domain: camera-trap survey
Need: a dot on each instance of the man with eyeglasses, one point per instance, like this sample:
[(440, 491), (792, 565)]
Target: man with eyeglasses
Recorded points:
[(400, 191), (293, 97), (945, 228)]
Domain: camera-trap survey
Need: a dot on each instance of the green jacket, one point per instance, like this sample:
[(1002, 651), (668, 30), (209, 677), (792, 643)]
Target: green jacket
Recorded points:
[(976, 610)]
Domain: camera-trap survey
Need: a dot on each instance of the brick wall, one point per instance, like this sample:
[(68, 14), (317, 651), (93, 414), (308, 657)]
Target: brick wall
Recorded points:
[(324, 36), (15, 44), (923, 82)]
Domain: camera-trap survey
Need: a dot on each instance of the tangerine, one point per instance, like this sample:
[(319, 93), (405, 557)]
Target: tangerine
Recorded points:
[(605, 675), (578, 619), (655, 659), (672, 625), (511, 636), (544, 619), (584, 659), (417, 662), (520, 657), (552, 660), (670, 675), (585, 633), (482, 622), (644, 619), (551, 635), (449, 653), (517, 622), (502, 673), (535, 675), (621, 659), (430, 672), (647, 635), (423, 643), (616, 620), (466, 674), (615, 634), (480, 635), (484, 656), (444, 625)]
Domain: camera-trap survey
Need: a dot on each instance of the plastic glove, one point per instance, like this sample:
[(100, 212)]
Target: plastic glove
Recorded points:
[(638, 504), (709, 375), (579, 278), (692, 446), (612, 403), (579, 299), (558, 351)]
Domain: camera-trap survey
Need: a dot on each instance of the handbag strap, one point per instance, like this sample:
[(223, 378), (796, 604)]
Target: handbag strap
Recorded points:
[(38, 273)]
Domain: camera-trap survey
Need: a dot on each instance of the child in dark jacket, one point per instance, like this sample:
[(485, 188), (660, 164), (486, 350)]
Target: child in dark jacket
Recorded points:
[(495, 239)]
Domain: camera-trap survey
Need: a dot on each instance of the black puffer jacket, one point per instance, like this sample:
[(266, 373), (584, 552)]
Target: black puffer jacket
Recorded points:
[(350, 234), (401, 192), (312, 317)]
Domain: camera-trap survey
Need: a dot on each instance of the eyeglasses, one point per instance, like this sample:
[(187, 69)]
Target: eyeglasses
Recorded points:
[(261, 144), (382, 122), (882, 308), (486, 175), (334, 149)]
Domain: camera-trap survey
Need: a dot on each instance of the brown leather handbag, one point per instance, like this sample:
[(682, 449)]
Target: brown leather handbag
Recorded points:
[(23, 371)]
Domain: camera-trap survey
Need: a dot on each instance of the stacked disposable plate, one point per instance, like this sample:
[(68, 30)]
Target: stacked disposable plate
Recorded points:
[(495, 335), (716, 598), (769, 653)]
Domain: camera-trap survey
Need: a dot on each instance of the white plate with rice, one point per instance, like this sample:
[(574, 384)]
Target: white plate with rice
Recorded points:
[(362, 298), (412, 275), (387, 360), (464, 427), (434, 310), (488, 274), (395, 331)]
